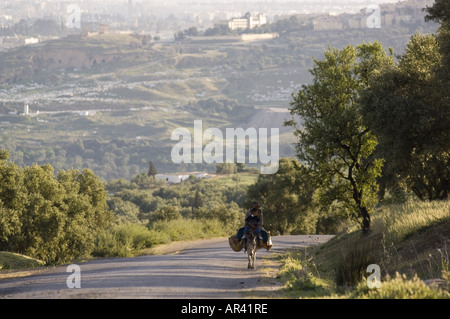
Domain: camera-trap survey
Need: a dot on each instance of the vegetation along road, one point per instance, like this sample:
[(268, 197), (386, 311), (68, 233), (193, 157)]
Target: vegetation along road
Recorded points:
[(198, 269)]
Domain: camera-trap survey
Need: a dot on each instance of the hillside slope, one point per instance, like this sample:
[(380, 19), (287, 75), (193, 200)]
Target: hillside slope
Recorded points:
[(110, 102), (409, 239)]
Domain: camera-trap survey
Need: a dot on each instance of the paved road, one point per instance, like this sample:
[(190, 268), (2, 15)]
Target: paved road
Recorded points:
[(201, 269)]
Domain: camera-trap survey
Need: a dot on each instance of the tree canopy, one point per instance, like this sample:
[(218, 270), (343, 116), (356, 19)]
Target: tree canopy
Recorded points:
[(406, 108), (52, 218), (332, 138)]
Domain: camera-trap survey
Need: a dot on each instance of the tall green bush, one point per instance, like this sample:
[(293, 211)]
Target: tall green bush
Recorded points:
[(54, 219)]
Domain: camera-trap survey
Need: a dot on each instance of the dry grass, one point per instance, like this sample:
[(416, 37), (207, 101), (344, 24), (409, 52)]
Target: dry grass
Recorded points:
[(411, 244), (400, 221)]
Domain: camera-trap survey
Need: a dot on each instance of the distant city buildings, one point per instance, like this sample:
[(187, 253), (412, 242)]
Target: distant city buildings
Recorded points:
[(246, 22), (390, 14), (30, 22), (176, 178)]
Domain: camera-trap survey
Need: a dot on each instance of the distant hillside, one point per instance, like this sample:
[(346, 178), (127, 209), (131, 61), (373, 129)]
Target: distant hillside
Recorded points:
[(74, 52), (110, 102), (273, 117)]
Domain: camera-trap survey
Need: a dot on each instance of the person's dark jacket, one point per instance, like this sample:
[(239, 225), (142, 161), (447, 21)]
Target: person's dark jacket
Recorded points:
[(252, 220)]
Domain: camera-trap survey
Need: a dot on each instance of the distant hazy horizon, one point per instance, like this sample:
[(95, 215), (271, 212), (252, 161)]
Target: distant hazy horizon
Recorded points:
[(283, 6), (205, 12)]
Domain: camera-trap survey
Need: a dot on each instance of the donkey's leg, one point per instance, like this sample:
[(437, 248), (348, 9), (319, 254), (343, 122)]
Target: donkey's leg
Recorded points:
[(251, 260)]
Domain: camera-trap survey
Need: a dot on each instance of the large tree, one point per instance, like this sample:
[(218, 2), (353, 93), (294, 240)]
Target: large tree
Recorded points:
[(12, 202), (440, 12), (332, 138), (406, 108), (53, 219)]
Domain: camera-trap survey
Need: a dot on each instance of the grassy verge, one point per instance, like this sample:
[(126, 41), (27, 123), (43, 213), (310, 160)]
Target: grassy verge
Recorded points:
[(301, 277), (17, 265), (409, 242), (17, 261), (129, 240)]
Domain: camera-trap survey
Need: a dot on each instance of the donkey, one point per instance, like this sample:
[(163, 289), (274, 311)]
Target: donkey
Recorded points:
[(251, 246)]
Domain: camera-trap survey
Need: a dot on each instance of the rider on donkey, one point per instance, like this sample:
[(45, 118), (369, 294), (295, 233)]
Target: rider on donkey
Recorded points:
[(262, 232), (253, 221)]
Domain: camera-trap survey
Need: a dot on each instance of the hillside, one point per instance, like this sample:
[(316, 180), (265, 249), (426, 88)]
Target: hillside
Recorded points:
[(110, 102), (409, 242)]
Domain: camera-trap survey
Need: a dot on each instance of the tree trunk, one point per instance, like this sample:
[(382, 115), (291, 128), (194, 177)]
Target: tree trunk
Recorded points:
[(365, 219), (357, 196)]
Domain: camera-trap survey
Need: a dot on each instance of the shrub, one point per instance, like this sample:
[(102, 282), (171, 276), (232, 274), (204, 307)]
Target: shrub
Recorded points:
[(188, 229), (298, 279), (125, 240), (352, 263), (400, 287), (165, 213)]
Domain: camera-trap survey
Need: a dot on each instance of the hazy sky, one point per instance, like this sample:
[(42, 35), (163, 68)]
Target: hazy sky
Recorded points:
[(309, 2), (331, 2), (180, 7)]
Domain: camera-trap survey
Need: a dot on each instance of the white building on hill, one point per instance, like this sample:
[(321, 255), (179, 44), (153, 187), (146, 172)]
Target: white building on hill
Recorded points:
[(179, 177), (246, 22)]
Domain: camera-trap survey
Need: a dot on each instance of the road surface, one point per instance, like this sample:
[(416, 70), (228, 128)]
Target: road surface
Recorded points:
[(200, 269)]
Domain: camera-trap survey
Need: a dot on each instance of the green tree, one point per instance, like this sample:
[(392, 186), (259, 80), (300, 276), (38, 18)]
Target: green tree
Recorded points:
[(91, 186), (12, 203), (4, 154), (42, 220), (9, 227), (124, 211), (152, 171), (165, 213), (333, 139), (197, 200), (286, 198), (229, 214), (53, 219), (406, 107), (12, 190), (226, 168), (84, 204), (440, 12)]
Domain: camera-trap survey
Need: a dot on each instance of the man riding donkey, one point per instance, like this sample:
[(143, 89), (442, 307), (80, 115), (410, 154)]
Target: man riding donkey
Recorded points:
[(253, 219)]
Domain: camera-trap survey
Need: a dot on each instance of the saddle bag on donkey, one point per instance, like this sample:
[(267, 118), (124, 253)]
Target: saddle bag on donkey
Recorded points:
[(235, 244), (268, 244)]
